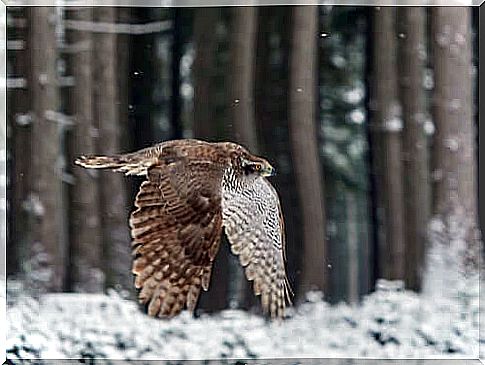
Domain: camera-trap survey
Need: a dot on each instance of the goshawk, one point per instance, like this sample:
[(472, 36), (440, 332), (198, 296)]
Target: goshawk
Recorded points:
[(193, 189)]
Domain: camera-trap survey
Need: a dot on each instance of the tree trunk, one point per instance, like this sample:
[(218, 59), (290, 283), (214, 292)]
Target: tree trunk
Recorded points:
[(3, 163), (204, 127), (114, 208), (20, 136), (142, 77), (304, 146), (123, 67), (242, 107), (85, 231), (386, 132), (454, 159), (412, 50), (176, 102), (242, 80), (205, 20), (454, 142), (45, 197), (351, 210), (481, 183)]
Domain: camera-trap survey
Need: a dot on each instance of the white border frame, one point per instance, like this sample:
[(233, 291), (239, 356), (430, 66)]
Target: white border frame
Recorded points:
[(165, 3)]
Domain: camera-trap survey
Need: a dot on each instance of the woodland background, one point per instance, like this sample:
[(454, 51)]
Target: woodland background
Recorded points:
[(368, 114)]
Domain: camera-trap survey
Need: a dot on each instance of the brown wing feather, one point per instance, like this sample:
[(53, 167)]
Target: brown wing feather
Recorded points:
[(176, 232)]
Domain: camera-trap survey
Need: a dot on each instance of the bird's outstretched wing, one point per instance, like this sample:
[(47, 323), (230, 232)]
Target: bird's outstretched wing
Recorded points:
[(177, 223), (176, 232), (254, 225)]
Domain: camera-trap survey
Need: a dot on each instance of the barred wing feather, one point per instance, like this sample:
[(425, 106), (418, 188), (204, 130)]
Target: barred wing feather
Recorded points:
[(253, 223)]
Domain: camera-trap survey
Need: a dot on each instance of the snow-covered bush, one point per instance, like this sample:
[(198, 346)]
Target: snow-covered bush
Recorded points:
[(390, 323)]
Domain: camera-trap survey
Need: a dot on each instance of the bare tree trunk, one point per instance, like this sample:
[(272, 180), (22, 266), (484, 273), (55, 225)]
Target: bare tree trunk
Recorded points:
[(454, 161), (481, 185), (242, 81), (454, 145), (142, 81), (176, 56), (304, 146), (123, 67), (114, 208), (205, 20), (85, 238), (20, 126), (353, 246), (415, 147), (44, 202), (386, 133), (243, 49)]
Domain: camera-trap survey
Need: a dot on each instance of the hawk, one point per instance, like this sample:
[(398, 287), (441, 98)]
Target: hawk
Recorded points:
[(192, 190)]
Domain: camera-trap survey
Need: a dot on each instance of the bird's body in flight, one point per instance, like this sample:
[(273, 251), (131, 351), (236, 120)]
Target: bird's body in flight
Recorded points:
[(193, 189)]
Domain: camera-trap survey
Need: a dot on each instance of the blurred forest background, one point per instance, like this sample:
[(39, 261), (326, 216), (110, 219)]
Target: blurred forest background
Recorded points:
[(368, 114)]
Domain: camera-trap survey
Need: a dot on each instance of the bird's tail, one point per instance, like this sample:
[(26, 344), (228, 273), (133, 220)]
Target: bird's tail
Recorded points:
[(129, 164)]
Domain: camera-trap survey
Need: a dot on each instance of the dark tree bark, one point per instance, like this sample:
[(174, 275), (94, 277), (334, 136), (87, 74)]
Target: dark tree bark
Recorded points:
[(142, 81), (177, 39), (480, 44), (386, 134), (205, 20), (304, 146), (353, 246), (44, 202), (85, 231), (123, 66), (412, 50), (454, 144), (242, 80), (113, 205), (20, 135)]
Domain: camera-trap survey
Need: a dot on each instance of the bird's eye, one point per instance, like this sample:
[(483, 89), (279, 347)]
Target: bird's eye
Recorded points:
[(257, 167)]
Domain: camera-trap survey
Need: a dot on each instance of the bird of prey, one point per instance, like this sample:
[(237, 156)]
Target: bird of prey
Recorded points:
[(193, 189)]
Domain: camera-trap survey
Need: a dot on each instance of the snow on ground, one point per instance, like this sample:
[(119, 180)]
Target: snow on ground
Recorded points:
[(389, 323)]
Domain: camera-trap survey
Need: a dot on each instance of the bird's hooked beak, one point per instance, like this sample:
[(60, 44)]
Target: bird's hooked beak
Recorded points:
[(268, 170)]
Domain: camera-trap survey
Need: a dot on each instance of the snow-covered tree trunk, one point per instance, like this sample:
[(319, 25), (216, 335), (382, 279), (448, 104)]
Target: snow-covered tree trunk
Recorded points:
[(455, 243), (304, 146), (113, 203), (412, 56), (386, 126), (86, 249), (454, 145), (44, 201)]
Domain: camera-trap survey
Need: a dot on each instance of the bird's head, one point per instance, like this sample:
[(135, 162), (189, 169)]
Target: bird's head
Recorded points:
[(257, 165)]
